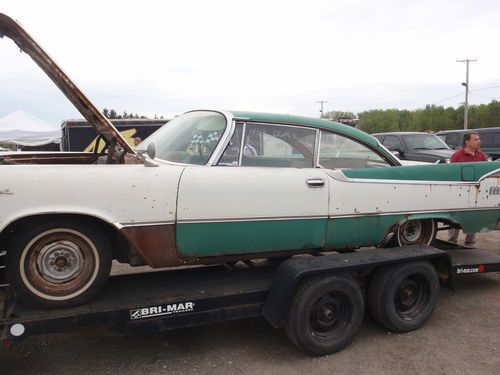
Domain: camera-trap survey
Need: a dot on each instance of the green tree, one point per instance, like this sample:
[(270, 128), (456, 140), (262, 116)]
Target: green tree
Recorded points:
[(337, 115), (112, 114)]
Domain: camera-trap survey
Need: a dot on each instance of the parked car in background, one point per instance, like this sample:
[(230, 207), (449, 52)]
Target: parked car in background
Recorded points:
[(416, 146), (490, 139)]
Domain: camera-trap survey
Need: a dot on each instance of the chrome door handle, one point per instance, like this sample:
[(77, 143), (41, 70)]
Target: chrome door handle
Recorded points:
[(315, 182)]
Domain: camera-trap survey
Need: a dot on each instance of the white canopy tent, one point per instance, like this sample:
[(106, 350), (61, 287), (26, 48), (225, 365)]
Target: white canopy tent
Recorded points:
[(21, 128)]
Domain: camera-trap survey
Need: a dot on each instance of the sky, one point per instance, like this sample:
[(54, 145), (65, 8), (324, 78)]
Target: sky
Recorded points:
[(167, 57)]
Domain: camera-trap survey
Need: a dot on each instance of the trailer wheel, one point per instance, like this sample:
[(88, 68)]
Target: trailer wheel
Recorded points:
[(402, 297), (59, 263), (325, 314), (415, 232)]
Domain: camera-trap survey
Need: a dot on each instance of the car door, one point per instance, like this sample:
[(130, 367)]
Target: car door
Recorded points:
[(349, 225), (263, 196)]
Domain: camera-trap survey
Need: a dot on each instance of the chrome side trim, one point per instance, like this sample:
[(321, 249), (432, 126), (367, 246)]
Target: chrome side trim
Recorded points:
[(275, 218), (315, 217), (317, 149), (490, 174), (225, 138), (242, 144), (337, 174), (143, 224), (414, 182), (411, 212)]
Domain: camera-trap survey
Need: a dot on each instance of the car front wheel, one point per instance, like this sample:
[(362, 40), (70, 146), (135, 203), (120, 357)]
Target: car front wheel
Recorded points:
[(59, 263)]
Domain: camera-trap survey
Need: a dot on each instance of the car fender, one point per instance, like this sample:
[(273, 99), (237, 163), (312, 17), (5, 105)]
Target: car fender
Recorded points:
[(118, 194)]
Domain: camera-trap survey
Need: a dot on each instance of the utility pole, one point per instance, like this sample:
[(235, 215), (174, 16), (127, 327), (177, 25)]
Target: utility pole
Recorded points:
[(321, 102), (466, 85)]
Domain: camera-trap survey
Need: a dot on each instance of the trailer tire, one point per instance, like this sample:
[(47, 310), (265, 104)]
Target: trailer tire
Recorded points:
[(325, 314), (58, 263), (401, 297)]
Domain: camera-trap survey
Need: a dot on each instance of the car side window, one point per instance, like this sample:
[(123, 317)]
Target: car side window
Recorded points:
[(486, 138), (337, 151), (392, 143), (454, 140), (496, 139), (278, 146)]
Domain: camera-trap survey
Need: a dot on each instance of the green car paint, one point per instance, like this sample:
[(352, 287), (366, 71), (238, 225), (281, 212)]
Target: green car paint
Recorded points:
[(428, 172), (240, 237)]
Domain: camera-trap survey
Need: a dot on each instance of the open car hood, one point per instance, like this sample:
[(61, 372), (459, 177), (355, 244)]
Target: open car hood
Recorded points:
[(13, 30)]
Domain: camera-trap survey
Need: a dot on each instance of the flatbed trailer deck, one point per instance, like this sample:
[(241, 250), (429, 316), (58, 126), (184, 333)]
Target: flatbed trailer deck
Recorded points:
[(164, 300)]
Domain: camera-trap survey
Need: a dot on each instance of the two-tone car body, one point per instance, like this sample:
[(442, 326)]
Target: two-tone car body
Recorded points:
[(216, 186)]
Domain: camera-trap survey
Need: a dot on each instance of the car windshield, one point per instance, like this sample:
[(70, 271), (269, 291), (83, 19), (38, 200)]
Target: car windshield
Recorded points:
[(190, 138), (425, 142)]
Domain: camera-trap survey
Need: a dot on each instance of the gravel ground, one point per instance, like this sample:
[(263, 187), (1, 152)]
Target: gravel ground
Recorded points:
[(461, 337)]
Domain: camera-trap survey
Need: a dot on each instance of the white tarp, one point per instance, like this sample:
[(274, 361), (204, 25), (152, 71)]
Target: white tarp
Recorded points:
[(21, 128)]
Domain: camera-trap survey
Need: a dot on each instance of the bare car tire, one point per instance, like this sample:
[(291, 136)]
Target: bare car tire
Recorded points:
[(59, 263), (416, 232), (325, 314), (402, 297)]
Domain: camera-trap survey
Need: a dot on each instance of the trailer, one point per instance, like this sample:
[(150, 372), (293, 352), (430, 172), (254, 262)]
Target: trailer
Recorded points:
[(319, 300)]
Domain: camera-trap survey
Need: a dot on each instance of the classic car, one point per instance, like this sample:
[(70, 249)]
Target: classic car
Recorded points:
[(215, 187)]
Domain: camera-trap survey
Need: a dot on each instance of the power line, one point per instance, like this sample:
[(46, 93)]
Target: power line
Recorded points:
[(470, 91), (485, 88), (445, 99)]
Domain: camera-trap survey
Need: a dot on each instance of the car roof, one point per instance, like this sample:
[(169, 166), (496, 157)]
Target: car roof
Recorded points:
[(401, 133), (324, 124)]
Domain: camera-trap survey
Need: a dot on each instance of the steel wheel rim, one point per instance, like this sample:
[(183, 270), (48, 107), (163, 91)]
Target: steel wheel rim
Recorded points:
[(60, 261), (411, 297), (47, 283), (414, 232), (330, 316)]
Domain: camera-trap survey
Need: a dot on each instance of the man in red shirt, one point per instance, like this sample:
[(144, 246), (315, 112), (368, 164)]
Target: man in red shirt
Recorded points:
[(469, 152)]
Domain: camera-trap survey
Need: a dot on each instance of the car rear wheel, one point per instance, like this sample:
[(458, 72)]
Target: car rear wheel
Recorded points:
[(59, 263), (416, 232)]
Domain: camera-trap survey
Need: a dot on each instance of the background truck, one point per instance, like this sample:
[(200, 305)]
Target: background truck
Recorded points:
[(79, 135)]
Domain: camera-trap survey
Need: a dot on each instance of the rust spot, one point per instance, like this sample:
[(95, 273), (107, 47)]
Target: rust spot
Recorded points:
[(155, 243)]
